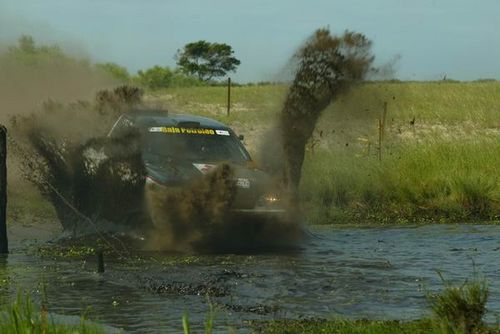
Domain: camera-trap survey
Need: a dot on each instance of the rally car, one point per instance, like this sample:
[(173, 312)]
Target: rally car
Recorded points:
[(178, 148)]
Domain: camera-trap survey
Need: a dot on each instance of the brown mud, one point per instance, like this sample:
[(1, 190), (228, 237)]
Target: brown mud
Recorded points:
[(199, 217), (325, 67), (87, 176)]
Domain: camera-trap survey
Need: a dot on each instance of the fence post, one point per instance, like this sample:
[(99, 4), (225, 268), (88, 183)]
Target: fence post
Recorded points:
[(4, 246), (384, 117), (228, 96), (380, 132), (100, 261)]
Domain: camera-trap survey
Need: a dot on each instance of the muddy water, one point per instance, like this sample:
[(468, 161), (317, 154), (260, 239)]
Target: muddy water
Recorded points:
[(381, 273)]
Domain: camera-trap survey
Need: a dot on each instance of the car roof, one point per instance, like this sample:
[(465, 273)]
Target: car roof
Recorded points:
[(164, 118)]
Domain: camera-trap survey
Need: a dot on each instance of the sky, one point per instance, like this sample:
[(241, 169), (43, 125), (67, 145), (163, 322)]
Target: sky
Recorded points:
[(430, 38)]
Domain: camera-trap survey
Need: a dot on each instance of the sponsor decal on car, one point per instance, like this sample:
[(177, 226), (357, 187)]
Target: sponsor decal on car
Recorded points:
[(207, 168), (204, 168), (222, 132), (189, 131), (243, 183)]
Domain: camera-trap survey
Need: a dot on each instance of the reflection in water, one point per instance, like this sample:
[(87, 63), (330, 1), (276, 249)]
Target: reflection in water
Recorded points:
[(371, 273)]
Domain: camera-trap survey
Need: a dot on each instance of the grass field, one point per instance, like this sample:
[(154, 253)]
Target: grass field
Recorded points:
[(432, 155), (444, 102)]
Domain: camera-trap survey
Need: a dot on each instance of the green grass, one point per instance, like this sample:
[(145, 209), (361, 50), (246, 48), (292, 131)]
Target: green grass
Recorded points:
[(257, 104), (22, 316), (340, 326), (439, 179), (439, 148), (350, 327), (429, 102), (444, 166)]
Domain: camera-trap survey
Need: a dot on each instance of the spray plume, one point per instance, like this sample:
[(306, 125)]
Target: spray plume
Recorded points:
[(325, 66)]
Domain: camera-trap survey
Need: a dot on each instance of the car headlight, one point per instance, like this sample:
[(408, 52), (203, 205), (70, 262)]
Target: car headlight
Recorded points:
[(269, 200)]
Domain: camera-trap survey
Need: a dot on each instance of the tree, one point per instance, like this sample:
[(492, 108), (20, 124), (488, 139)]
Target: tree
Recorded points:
[(207, 60), (155, 77)]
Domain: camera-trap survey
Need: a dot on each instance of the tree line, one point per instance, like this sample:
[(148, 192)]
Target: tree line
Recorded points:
[(198, 63)]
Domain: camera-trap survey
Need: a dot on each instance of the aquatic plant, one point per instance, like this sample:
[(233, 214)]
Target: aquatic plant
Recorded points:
[(22, 316), (185, 324), (209, 320), (460, 309)]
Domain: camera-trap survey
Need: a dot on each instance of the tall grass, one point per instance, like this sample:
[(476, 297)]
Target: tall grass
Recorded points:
[(435, 179), (428, 102), (209, 321), (22, 316)]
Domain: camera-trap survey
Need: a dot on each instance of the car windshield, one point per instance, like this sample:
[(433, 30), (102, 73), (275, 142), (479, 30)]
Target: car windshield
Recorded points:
[(203, 145)]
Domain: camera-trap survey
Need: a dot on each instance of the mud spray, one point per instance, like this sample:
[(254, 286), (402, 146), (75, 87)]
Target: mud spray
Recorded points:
[(199, 217), (87, 176), (98, 183), (325, 67), (29, 75)]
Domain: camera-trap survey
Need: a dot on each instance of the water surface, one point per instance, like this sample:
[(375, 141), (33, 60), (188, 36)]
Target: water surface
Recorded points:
[(375, 273)]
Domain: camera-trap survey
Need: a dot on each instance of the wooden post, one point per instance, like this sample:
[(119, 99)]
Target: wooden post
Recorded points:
[(100, 261), (4, 245), (380, 129), (228, 96), (384, 117)]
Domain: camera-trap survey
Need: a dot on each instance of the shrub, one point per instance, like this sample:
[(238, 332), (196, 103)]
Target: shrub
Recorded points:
[(474, 194), (155, 77), (461, 308), (159, 77), (180, 79)]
